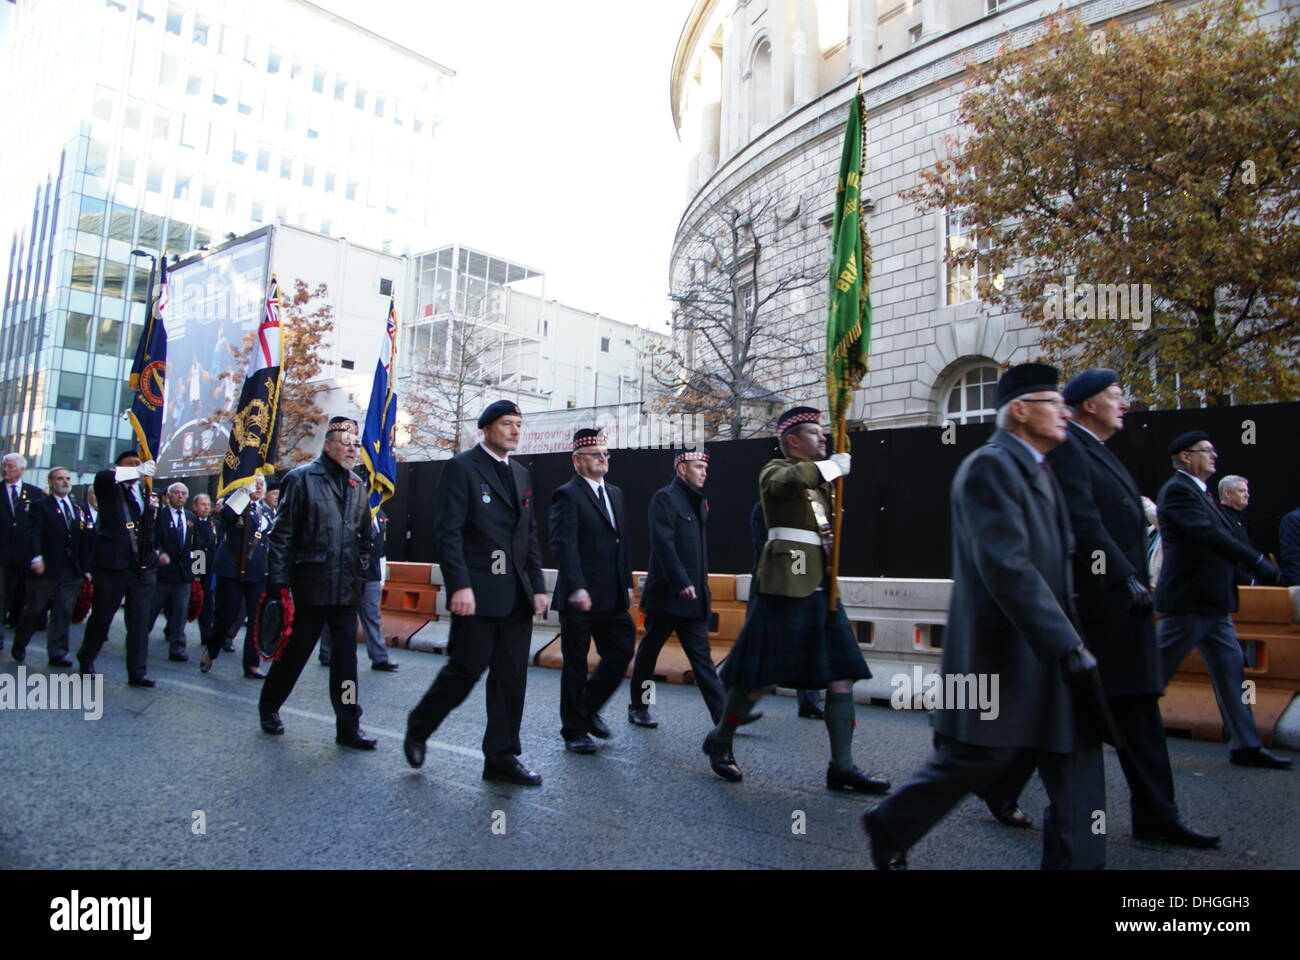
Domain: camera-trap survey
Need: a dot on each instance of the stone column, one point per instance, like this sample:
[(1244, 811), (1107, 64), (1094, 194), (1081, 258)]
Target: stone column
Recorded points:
[(862, 35)]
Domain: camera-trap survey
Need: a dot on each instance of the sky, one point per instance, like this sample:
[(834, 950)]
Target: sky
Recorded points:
[(558, 144)]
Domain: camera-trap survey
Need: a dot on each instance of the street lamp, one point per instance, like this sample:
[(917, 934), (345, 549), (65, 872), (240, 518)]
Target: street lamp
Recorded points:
[(153, 265)]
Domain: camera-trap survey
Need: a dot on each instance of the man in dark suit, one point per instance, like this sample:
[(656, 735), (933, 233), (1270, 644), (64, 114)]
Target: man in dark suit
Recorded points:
[(1010, 619), (319, 548), (204, 556), (676, 595), (491, 563), (175, 526), (1197, 591), (1289, 548), (124, 565), (16, 499), (1234, 497), (593, 590), (60, 541), (1114, 603), (239, 563)]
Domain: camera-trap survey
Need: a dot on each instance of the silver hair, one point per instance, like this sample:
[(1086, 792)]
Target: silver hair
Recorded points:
[(17, 458), (1004, 416), (202, 496), (178, 484), (1231, 482), (53, 470)]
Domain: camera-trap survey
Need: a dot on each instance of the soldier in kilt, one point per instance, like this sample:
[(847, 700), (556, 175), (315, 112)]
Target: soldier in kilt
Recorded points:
[(790, 639)]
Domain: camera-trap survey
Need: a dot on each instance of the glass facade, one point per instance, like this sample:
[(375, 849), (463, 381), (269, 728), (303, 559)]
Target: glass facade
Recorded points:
[(166, 131)]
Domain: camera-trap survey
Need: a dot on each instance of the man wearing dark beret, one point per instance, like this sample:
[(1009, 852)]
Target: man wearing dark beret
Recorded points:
[(486, 535), (593, 590), (790, 638), (1011, 619), (1114, 605), (1197, 591)]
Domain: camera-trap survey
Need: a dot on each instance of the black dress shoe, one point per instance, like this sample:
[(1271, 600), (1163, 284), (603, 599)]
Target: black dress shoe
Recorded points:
[(60, 662), (641, 717), (254, 675), (18, 655), (1258, 757), (228, 647), (271, 723), (752, 718), (414, 749), (580, 744), (1176, 832), (854, 779), (178, 658), (387, 666), (1009, 815), (597, 727), (884, 855), (811, 712), (511, 771), (356, 740), (721, 759), (86, 667), (141, 682)]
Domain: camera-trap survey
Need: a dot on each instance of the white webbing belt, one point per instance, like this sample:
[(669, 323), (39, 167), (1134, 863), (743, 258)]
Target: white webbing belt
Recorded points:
[(794, 534)]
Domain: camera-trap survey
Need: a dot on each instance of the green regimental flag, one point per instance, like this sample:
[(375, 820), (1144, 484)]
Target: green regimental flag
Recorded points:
[(848, 327)]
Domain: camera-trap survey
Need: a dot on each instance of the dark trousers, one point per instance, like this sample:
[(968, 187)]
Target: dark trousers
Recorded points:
[(61, 596), (1216, 638), (580, 695), (12, 578), (208, 611), (308, 622), (112, 587), (172, 600), (231, 597), (693, 635), (1075, 783), (496, 644), (1144, 760)]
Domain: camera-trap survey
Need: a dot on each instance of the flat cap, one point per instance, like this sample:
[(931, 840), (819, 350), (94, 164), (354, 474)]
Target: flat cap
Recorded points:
[(1185, 440), (1026, 378)]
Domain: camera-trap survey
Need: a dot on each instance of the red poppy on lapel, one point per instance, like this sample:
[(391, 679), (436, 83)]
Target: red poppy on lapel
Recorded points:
[(352, 481), (528, 499)]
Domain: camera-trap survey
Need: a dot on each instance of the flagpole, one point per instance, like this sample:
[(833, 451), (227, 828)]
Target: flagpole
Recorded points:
[(841, 419)]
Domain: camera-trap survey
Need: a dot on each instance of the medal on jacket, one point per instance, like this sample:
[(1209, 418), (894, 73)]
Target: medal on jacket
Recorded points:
[(823, 523), (487, 497)]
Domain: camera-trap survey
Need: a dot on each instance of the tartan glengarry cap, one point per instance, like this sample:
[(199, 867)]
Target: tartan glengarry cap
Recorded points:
[(587, 437), (795, 416), (1186, 440), (496, 410), (690, 453), (1088, 384), (1026, 378)]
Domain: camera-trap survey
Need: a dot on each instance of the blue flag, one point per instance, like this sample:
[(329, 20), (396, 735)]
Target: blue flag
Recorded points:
[(255, 431), (380, 433), (149, 376)]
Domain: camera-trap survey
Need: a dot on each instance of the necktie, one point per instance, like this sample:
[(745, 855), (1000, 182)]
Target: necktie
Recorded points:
[(13, 498), (63, 509), (503, 470), (600, 495)]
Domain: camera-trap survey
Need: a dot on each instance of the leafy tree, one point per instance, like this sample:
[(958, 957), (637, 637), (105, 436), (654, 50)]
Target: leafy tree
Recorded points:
[(436, 396), (1164, 155)]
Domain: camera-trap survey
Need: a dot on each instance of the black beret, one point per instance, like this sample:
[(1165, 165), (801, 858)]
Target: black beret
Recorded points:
[(795, 416), (273, 482), (1088, 384), (587, 437), (1183, 441), (1026, 378), (690, 453), (496, 410)]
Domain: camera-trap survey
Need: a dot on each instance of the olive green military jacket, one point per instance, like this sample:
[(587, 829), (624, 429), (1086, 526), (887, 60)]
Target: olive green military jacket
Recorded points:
[(785, 567)]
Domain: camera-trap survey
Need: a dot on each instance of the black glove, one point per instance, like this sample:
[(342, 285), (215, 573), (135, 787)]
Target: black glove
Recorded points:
[(1139, 597), (1264, 572), (1079, 667)]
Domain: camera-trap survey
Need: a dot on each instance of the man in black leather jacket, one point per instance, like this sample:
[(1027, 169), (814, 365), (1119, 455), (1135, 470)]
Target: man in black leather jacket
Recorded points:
[(320, 546)]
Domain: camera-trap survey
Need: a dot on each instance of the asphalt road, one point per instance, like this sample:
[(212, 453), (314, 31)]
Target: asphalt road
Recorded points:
[(131, 789)]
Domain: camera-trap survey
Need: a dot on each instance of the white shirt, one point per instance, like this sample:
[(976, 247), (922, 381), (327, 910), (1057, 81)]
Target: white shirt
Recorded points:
[(1199, 482), (488, 451), (596, 487)]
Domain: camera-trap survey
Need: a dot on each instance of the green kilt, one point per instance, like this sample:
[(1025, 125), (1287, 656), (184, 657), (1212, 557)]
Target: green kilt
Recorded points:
[(787, 641)]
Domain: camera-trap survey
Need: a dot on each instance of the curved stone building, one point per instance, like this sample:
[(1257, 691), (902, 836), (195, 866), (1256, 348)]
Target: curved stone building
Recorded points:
[(760, 93)]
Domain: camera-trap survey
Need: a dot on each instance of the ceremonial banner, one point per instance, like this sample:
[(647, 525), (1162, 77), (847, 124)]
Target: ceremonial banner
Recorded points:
[(848, 327), (380, 432), (254, 432), (149, 376)]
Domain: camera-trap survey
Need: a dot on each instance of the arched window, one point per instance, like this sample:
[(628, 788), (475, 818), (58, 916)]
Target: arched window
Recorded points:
[(971, 398), (760, 86)]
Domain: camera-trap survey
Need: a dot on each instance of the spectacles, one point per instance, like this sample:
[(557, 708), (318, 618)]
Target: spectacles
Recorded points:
[(598, 456), (1056, 403), (351, 444), (1202, 450)]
